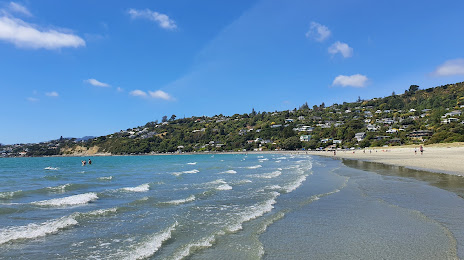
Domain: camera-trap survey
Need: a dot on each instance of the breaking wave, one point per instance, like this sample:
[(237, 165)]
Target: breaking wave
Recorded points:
[(69, 201), (152, 244), (10, 194), (192, 163), (140, 188), (32, 230), (254, 167), (181, 201)]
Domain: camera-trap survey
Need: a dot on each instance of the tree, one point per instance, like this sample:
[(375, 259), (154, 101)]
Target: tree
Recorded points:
[(164, 119), (413, 89), (253, 112), (173, 117)]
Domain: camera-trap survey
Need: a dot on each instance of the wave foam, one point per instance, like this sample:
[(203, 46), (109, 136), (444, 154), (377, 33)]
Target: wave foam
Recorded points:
[(106, 178), (191, 171), (10, 194), (140, 188), (51, 168), (224, 187), (294, 185), (61, 188), (229, 172), (69, 201), (181, 201), (254, 212), (35, 230), (153, 244), (192, 247), (192, 163), (254, 167)]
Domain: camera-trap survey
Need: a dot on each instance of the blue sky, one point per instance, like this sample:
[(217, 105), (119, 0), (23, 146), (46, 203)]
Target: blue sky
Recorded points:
[(77, 68)]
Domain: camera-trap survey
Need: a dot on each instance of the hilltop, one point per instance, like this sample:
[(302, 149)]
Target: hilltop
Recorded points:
[(416, 116)]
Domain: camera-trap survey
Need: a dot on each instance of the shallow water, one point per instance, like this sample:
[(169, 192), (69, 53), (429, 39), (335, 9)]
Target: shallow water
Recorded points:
[(223, 207)]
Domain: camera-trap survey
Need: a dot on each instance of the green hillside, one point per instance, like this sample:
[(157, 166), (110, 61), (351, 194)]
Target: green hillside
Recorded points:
[(417, 116)]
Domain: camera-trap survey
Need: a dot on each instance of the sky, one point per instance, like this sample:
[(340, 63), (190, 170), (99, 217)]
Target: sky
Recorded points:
[(91, 68)]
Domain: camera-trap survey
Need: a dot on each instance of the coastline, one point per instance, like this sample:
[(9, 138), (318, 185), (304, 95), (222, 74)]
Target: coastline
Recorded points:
[(438, 159)]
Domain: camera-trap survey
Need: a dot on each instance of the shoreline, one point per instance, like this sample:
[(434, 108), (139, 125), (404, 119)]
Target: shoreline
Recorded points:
[(445, 160)]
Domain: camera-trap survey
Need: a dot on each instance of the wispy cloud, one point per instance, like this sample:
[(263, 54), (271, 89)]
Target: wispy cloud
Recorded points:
[(138, 93), (318, 32), (161, 19), (357, 81), (342, 48), (17, 8), (119, 89), (96, 83), (32, 99), (158, 94), (25, 35), (52, 94), (450, 68)]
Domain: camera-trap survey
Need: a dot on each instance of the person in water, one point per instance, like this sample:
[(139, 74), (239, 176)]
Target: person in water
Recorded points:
[(83, 162), (90, 162)]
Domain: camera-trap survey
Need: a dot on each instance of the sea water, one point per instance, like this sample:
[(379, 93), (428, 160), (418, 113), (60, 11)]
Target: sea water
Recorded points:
[(268, 206)]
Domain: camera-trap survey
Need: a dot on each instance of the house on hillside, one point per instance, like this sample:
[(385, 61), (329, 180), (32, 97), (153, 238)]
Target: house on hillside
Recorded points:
[(360, 136), (305, 138)]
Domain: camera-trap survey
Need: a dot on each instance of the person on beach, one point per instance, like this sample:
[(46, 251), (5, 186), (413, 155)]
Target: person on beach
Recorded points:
[(90, 162), (421, 149), (415, 150), (335, 152)]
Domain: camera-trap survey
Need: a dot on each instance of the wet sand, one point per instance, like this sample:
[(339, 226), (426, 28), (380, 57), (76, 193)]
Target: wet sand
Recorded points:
[(448, 160)]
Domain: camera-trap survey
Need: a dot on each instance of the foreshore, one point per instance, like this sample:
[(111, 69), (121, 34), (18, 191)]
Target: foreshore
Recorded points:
[(447, 158)]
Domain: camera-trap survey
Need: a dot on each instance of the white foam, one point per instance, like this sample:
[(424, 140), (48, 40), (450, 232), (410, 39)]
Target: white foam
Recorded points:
[(271, 175), (9, 194), (260, 156), (254, 167), (35, 230), (192, 163), (181, 201), (61, 188), (224, 187), (254, 212), (100, 212), (282, 158), (230, 172), (191, 171), (69, 201), (219, 181), (188, 249), (265, 159), (294, 185), (278, 161), (106, 178), (152, 245), (51, 168), (140, 188), (243, 181)]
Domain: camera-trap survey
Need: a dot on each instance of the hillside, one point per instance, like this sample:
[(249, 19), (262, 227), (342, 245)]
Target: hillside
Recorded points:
[(417, 116)]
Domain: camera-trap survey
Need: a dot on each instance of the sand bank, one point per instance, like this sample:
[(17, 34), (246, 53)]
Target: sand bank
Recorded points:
[(443, 159)]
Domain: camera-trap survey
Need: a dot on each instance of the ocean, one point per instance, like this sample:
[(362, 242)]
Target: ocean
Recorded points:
[(226, 206)]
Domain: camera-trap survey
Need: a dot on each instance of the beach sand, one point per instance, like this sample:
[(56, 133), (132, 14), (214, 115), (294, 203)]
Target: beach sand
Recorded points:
[(441, 158)]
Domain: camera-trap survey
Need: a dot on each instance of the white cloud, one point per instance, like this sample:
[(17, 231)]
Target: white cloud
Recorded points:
[(32, 99), (357, 81), (160, 94), (96, 83), (52, 94), (163, 20), (26, 35), (138, 93), (342, 48), (119, 89), (450, 68), (17, 8), (318, 32)]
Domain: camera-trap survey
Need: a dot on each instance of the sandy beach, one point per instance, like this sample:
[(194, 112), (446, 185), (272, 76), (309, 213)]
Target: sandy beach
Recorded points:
[(445, 158)]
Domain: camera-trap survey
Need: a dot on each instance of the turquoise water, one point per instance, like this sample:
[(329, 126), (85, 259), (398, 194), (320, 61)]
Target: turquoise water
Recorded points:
[(222, 207)]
